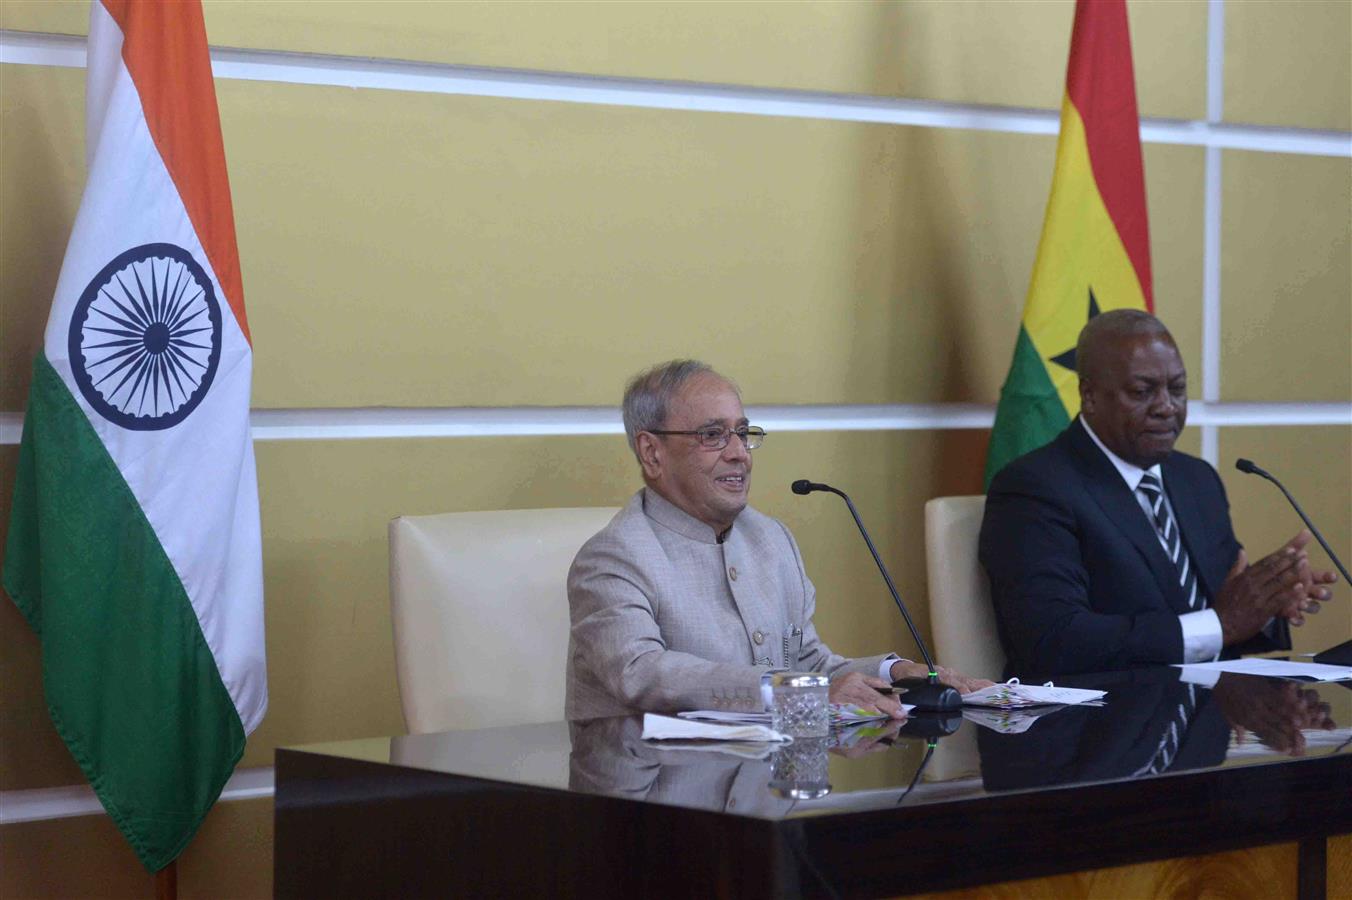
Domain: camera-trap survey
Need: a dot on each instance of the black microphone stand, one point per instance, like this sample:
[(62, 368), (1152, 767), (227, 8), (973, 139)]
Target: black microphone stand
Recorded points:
[(1341, 655), (925, 694)]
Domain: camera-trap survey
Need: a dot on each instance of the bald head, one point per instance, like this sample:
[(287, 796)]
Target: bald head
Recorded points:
[(1108, 332)]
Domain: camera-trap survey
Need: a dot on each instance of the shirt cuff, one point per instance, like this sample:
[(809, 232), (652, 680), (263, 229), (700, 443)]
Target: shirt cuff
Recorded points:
[(1201, 636), (767, 691), (885, 667)]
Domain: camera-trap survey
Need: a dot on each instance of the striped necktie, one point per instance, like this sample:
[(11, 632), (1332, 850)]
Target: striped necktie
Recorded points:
[(1173, 735), (1153, 492)]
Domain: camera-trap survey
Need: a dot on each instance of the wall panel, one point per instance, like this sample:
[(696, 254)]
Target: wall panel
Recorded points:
[(1289, 62), (985, 52), (41, 177), (1286, 256)]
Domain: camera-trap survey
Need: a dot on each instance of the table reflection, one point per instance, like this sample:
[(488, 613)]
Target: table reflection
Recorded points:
[(1154, 723), (609, 756)]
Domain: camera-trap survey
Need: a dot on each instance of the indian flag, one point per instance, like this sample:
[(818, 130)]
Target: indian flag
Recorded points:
[(133, 546), (1094, 254)]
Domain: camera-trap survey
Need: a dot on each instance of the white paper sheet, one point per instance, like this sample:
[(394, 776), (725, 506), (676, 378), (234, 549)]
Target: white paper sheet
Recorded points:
[(661, 728), (1276, 668)]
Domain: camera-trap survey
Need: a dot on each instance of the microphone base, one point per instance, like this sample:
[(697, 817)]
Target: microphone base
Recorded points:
[(931, 725), (928, 696), (1341, 655)]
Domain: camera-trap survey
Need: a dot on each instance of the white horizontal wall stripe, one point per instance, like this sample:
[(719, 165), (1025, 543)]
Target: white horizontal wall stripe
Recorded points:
[(24, 48), (385, 422), (41, 804)]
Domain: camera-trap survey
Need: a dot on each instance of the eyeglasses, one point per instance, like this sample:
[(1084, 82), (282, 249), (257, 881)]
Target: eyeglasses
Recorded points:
[(716, 437)]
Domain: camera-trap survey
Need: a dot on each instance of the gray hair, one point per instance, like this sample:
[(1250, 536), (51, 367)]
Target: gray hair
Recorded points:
[(648, 395), (1107, 329)]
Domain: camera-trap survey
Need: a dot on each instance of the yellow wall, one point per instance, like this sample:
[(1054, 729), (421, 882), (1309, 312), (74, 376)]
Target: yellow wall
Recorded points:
[(428, 250)]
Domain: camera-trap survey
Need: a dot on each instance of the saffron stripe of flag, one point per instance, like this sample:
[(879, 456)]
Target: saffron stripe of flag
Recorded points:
[(1094, 253), (134, 549)]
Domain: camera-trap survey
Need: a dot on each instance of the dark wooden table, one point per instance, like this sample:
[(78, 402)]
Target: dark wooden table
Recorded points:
[(591, 810)]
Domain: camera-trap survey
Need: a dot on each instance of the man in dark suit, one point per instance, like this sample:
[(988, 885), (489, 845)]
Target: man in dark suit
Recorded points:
[(1108, 549)]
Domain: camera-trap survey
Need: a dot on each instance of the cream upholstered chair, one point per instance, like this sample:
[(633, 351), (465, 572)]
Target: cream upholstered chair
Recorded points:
[(961, 613), (480, 613), (961, 616)]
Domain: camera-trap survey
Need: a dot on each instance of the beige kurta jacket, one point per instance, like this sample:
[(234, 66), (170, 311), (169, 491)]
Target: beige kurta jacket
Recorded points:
[(665, 618)]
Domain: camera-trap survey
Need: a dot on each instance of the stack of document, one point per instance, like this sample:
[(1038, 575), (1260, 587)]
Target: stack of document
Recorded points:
[(1013, 695)]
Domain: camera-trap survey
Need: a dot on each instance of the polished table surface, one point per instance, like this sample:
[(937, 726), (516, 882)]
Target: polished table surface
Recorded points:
[(1162, 769)]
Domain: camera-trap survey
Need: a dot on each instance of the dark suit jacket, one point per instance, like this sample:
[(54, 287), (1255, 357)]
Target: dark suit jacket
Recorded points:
[(1079, 579)]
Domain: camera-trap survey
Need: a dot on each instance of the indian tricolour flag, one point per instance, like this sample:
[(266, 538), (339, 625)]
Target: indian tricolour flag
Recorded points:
[(1094, 254), (133, 546)]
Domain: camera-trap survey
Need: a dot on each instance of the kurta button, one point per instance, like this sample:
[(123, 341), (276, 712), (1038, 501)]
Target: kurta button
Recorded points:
[(732, 572), (758, 637)]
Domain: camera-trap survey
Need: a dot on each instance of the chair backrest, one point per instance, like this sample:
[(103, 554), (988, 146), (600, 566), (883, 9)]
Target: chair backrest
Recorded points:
[(961, 614), (961, 617), (480, 611)]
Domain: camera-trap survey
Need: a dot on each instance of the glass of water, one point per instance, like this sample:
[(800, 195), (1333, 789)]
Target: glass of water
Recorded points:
[(801, 706)]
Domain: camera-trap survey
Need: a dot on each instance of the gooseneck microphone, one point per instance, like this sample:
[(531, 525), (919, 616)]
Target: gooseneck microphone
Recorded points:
[(926, 694), (1341, 654), (1248, 468)]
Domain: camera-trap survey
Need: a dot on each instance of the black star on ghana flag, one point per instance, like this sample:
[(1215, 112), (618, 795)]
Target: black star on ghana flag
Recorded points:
[(1067, 360)]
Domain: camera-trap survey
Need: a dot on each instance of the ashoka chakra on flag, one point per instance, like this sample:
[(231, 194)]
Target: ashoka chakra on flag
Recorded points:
[(145, 338)]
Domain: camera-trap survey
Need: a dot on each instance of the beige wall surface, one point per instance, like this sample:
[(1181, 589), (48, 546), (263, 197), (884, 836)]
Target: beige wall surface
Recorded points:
[(1286, 267), (1289, 62), (817, 246), (1005, 53), (798, 239), (420, 250)]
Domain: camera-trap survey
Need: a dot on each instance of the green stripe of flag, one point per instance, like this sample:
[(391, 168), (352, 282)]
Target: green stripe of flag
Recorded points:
[(132, 686), (1030, 412)]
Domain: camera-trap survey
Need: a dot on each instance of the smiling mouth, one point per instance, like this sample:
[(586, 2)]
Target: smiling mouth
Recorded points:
[(732, 481)]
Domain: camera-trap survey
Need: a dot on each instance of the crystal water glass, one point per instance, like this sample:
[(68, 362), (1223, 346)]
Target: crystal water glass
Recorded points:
[(801, 706)]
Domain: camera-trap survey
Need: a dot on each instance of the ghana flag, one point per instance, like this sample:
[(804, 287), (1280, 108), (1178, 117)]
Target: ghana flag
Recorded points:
[(1094, 254), (133, 547)]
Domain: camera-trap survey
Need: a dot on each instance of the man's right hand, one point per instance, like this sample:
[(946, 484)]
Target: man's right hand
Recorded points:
[(1253, 594)]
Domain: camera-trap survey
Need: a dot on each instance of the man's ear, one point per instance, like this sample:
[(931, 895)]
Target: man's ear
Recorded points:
[(1087, 399), (649, 454)]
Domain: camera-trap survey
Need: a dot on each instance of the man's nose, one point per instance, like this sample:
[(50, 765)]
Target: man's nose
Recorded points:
[(736, 448)]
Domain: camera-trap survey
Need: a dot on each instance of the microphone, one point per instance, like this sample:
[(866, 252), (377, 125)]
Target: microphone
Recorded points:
[(926, 694), (1341, 654)]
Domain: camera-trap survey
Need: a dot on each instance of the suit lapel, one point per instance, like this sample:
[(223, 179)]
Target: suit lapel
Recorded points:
[(1103, 483)]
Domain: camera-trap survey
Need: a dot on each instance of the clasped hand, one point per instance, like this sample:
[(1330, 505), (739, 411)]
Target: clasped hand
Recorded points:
[(1280, 584)]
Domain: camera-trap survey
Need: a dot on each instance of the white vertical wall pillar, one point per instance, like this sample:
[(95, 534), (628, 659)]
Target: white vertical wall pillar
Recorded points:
[(1211, 229)]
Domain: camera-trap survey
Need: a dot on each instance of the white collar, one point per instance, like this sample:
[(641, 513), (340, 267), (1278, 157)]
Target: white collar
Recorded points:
[(1131, 474)]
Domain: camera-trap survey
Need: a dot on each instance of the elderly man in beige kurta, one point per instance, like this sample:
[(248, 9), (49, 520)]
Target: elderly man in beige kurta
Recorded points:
[(688, 599), (667, 617)]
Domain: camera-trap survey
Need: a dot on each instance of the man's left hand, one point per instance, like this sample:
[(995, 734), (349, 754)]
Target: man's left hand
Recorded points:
[(1311, 591), (865, 692), (964, 683)]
